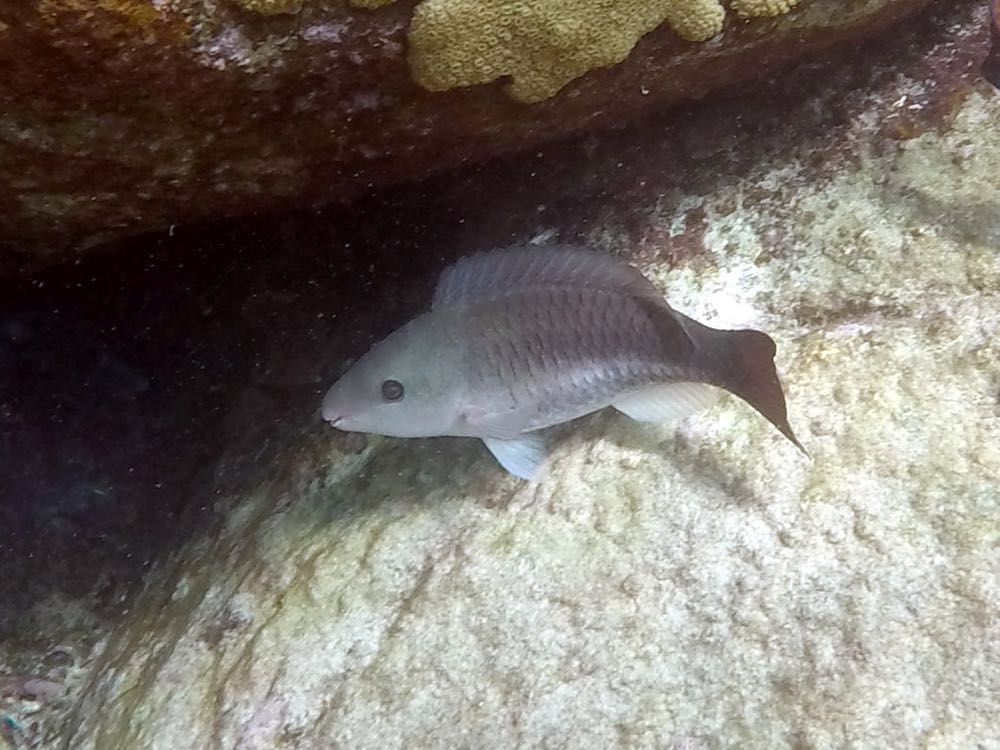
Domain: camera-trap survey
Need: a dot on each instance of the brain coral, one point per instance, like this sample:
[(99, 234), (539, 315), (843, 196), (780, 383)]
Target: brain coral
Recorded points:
[(544, 44)]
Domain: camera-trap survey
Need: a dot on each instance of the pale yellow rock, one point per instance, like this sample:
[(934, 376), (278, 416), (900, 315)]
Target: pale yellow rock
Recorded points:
[(541, 44)]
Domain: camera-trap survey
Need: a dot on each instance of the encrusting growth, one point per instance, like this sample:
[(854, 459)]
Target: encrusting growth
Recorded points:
[(541, 45), (544, 44)]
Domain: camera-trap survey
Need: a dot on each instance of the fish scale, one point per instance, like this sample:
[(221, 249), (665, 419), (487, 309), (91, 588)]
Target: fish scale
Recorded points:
[(598, 345)]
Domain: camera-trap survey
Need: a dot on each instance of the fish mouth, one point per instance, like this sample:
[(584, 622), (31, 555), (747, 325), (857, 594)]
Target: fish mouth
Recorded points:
[(339, 420), (330, 412)]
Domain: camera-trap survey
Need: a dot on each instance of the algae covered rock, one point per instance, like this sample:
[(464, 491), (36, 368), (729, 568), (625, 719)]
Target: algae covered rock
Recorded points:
[(699, 588), (120, 116)]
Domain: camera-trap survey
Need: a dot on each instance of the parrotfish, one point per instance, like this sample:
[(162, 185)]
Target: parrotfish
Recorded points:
[(520, 339), (991, 66)]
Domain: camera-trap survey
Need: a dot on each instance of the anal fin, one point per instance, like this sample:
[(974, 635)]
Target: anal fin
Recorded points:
[(667, 402), (521, 456)]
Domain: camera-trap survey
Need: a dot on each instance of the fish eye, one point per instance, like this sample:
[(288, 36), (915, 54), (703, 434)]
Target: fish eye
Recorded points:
[(392, 390)]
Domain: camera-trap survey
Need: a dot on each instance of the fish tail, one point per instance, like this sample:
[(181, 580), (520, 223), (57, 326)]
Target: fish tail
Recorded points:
[(748, 371)]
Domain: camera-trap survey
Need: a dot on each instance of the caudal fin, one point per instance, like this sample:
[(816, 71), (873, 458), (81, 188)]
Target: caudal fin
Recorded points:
[(745, 367)]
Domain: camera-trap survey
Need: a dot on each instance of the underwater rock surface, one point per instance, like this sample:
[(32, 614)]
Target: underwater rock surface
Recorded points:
[(120, 116), (699, 589)]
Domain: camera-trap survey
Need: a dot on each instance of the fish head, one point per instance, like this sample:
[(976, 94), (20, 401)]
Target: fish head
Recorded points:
[(407, 385)]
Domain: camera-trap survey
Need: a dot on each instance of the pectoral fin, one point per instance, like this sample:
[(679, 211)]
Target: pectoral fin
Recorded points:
[(504, 424), (668, 402), (521, 456)]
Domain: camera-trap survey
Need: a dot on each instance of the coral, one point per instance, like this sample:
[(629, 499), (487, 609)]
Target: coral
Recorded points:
[(270, 7), (545, 45), (541, 45), (760, 8), (694, 20)]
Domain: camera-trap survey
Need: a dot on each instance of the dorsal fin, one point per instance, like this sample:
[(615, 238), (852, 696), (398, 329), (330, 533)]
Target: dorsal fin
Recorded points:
[(496, 274)]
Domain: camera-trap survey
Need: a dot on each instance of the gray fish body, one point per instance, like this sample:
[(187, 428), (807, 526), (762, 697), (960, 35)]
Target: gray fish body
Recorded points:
[(550, 356), (524, 339)]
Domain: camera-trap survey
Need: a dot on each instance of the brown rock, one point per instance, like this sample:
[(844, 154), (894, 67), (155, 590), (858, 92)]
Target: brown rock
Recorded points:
[(119, 116)]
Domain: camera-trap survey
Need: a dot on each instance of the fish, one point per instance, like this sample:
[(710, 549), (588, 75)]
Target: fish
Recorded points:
[(991, 65), (520, 339)]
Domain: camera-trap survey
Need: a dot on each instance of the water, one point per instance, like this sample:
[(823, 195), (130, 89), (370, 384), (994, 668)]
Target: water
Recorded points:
[(665, 588)]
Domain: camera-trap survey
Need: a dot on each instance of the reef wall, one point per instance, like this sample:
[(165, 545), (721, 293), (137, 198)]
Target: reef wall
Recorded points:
[(119, 116)]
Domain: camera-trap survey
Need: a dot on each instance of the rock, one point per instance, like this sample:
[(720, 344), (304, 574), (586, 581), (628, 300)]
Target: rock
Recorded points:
[(121, 116), (700, 588)]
